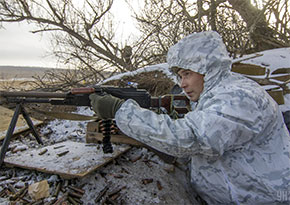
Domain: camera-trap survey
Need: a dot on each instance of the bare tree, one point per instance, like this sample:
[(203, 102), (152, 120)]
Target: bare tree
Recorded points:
[(162, 23), (246, 27), (83, 33), (264, 35)]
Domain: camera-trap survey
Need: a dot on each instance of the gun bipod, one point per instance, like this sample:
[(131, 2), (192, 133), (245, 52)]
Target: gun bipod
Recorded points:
[(18, 110)]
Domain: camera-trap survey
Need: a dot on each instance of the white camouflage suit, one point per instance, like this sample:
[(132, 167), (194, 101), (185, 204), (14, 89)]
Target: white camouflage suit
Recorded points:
[(235, 135)]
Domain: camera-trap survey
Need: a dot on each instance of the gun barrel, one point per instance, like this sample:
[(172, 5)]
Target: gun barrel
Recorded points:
[(32, 94)]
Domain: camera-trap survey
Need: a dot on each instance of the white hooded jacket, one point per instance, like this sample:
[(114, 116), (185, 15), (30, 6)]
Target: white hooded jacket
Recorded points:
[(235, 135)]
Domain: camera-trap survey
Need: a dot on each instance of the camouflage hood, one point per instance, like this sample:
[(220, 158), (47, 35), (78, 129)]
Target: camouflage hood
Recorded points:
[(204, 53)]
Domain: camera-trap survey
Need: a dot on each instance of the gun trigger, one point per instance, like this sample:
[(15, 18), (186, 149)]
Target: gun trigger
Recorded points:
[(103, 93)]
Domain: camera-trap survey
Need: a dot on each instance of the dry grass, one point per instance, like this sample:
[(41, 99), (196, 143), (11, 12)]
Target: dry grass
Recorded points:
[(20, 78), (15, 85)]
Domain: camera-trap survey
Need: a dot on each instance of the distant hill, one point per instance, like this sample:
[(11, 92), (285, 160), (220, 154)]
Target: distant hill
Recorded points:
[(8, 72)]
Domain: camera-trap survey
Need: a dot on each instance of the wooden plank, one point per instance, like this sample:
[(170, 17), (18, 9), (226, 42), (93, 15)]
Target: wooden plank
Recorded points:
[(248, 69), (94, 136), (80, 159), (283, 78), (281, 71), (5, 118), (277, 95)]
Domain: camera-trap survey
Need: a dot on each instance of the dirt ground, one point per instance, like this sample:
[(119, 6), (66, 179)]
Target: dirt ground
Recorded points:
[(15, 85)]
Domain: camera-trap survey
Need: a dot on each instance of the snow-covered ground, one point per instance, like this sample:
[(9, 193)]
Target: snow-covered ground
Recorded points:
[(140, 175)]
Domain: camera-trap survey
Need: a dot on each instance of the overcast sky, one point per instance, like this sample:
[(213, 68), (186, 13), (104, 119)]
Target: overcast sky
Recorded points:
[(19, 47)]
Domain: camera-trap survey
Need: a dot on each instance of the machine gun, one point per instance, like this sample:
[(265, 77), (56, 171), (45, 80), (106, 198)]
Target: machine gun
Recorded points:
[(80, 97)]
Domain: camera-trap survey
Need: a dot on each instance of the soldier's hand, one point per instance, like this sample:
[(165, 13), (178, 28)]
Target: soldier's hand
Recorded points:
[(105, 106)]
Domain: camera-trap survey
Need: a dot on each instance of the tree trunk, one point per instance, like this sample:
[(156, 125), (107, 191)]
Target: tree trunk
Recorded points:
[(213, 11), (262, 36)]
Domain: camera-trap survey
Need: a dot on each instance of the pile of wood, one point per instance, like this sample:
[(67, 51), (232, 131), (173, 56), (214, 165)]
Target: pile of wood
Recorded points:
[(275, 82)]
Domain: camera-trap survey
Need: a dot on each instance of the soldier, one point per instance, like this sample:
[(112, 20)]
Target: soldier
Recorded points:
[(235, 136)]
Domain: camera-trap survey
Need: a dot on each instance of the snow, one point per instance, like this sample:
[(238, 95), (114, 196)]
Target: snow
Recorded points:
[(163, 67), (286, 106), (79, 158), (124, 173), (137, 192), (271, 59), (68, 129)]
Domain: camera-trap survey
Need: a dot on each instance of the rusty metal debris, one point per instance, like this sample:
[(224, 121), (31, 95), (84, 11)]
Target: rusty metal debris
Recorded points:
[(102, 193), (61, 200), (57, 189), (147, 181), (80, 191), (57, 147), (159, 186), (43, 151), (62, 153), (135, 159), (65, 192), (110, 197)]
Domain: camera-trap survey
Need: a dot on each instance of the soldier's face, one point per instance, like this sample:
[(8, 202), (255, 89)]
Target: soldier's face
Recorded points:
[(192, 83)]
